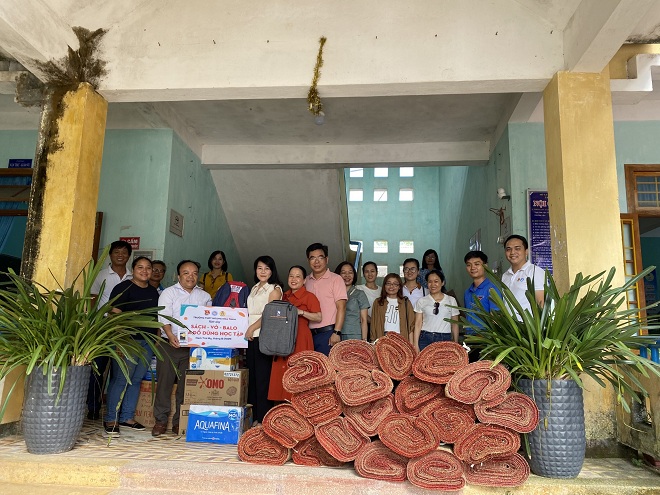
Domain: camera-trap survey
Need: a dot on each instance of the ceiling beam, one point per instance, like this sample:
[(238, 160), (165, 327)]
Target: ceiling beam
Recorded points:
[(418, 47), (337, 156), (31, 31), (597, 30)]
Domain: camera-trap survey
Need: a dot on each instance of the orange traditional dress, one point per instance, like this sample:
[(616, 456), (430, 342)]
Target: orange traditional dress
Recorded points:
[(304, 301)]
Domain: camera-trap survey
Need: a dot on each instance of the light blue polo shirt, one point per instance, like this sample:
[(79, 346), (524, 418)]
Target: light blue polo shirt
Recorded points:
[(481, 293)]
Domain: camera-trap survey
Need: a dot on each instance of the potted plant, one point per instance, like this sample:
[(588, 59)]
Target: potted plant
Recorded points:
[(53, 336), (587, 330)]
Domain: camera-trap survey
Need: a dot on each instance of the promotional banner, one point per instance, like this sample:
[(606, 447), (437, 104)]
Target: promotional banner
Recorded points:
[(212, 326)]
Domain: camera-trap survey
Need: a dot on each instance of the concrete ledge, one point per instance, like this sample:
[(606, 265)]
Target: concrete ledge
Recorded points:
[(21, 489), (53, 470), (147, 478), (138, 464)]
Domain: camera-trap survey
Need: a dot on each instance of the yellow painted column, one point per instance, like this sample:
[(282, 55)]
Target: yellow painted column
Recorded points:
[(63, 203), (583, 201)]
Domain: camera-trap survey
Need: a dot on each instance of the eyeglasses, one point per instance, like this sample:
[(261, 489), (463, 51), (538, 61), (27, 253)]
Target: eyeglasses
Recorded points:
[(410, 269), (436, 308), (392, 284), (158, 270), (316, 258)]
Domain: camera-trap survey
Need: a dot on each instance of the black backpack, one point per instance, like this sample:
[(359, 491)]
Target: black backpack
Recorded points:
[(279, 328)]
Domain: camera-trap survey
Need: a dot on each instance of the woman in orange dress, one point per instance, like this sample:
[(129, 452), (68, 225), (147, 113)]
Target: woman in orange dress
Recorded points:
[(309, 309)]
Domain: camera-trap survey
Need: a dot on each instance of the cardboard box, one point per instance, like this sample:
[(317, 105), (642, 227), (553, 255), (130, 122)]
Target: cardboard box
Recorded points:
[(218, 388), (144, 411), (217, 424), (14, 380), (183, 419), (213, 358)]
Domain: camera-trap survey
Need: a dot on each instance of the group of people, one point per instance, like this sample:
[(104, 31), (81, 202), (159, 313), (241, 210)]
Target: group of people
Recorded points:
[(331, 308)]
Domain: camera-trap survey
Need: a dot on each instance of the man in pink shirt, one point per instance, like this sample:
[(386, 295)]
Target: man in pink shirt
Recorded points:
[(330, 290)]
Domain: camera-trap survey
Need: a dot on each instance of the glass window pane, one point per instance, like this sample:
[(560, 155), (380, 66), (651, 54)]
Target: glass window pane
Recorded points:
[(647, 191), (380, 246), (356, 172), (406, 246), (380, 194), (627, 234), (407, 172), (405, 194), (380, 172), (355, 195)]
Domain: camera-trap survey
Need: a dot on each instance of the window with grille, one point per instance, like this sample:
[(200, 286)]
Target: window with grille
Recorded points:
[(647, 191)]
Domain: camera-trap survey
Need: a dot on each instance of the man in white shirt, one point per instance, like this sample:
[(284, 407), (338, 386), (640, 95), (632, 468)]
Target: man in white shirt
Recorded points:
[(115, 272), (516, 250), (184, 292), (411, 288)]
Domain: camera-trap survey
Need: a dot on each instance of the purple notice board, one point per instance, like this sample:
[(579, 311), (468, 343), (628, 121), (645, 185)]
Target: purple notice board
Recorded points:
[(538, 216), (20, 163)]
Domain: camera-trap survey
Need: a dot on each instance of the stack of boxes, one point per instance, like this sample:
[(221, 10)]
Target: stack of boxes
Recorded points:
[(215, 405)]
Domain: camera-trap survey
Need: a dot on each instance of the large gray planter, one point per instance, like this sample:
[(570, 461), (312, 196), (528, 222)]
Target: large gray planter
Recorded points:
[(558, 443), (51, 426)]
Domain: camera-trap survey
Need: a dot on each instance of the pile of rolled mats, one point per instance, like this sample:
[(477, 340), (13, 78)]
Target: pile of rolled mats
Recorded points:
[(445, 423)]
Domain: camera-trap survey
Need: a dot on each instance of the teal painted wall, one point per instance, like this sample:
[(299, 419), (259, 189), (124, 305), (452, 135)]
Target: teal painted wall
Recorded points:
[(468, 194), (527, 170), (144, 174), (16, 144), (15, 238), (133, 190), (418, 220), (519, 160), (192, 193), (636, 143)]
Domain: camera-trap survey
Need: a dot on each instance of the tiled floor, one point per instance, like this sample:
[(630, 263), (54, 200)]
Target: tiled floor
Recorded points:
[(597, 476), (133, 445)]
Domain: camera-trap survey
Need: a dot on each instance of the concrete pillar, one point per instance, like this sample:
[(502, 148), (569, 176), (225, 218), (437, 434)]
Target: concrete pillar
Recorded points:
[(583, 201), (60, 228)]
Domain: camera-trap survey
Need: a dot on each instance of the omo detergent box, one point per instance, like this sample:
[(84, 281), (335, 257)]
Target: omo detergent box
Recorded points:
[(219, 388), (213, 358), (217, 424)]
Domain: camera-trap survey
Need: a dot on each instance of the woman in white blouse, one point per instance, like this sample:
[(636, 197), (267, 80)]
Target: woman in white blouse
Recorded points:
[(431, 311), (267, 288)]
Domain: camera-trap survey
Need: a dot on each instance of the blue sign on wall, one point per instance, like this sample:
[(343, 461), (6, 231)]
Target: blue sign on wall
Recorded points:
[(538, 214), (20, 163)]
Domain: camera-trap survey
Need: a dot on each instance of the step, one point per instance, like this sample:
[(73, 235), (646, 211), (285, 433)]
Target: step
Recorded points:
[(140, 464), (58, 470), (32, 489)]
